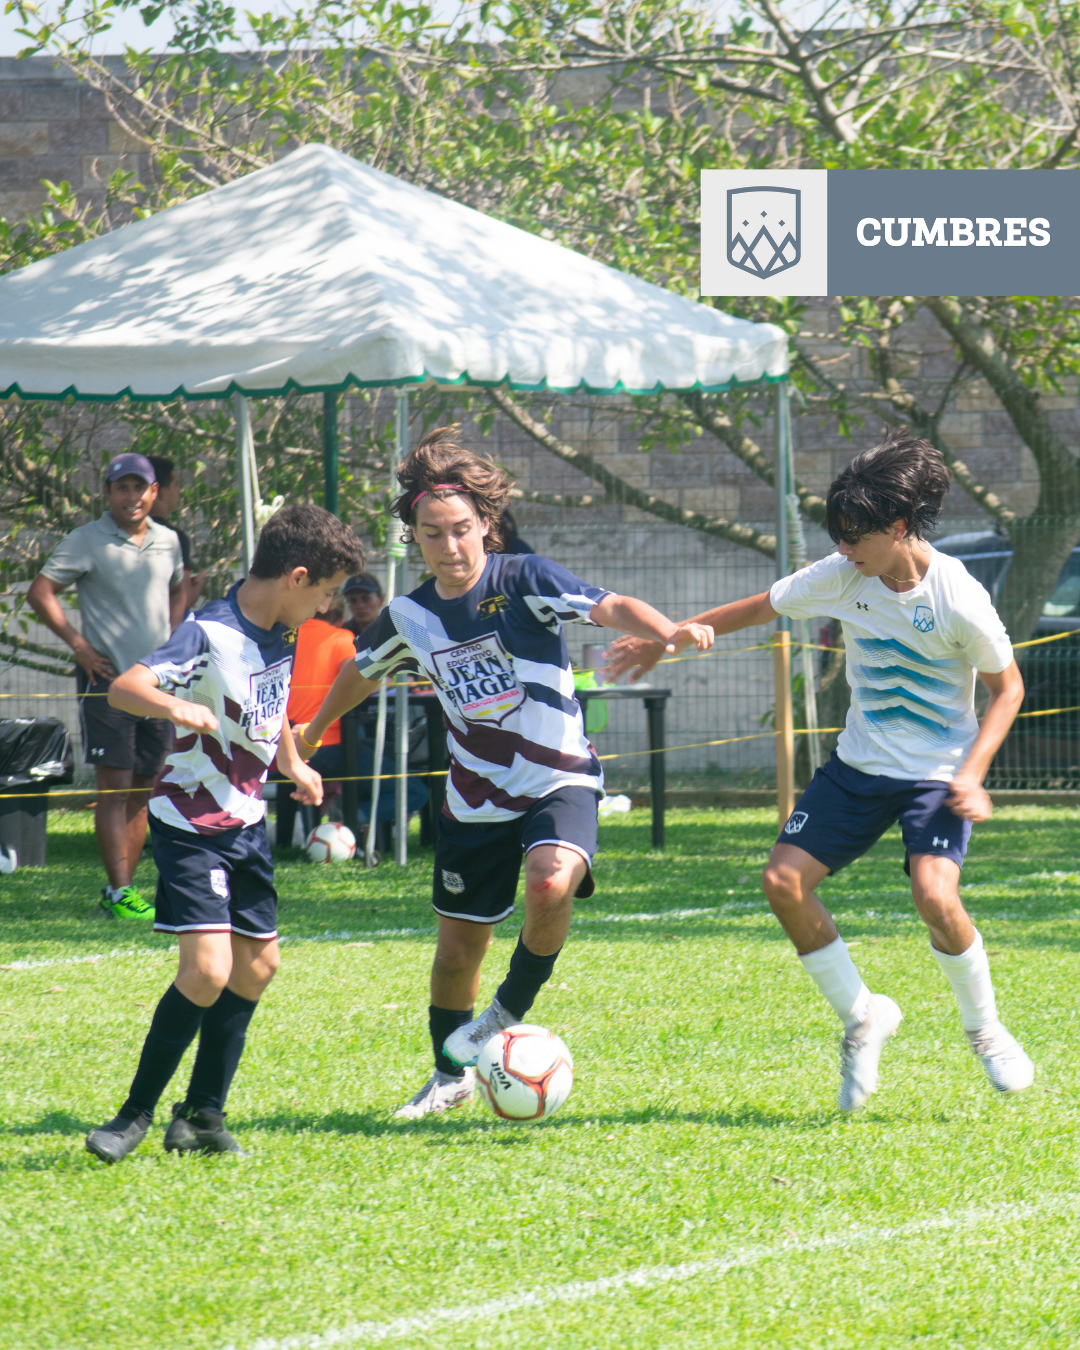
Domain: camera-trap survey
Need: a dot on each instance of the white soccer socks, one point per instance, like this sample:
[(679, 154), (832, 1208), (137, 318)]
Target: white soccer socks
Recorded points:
[(1002, 1057), (969, 975), (833, 971)]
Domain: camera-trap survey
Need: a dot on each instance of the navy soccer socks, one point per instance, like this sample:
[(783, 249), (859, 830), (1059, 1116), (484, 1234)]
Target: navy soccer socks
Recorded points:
[(441, 1022), (221, 1043), (527, 975), (174, 1026)]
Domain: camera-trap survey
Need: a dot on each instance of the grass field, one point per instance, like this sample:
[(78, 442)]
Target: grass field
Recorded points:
[(699, 1189)]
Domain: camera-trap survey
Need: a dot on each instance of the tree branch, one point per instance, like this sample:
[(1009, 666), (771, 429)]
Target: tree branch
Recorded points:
[(618, 490)]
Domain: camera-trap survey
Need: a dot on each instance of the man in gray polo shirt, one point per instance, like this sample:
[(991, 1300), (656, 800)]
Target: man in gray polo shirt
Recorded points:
[(128, 574)]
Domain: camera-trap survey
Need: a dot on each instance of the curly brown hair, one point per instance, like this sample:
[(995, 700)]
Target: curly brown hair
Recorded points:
[(440, 467)]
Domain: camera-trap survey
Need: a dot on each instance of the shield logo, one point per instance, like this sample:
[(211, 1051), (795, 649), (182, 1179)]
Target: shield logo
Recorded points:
[(924, 619), (796, 821), (764, 229)]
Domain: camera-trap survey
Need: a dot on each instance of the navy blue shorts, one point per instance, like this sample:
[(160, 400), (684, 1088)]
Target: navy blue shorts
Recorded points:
[(214, 883), (844, 812), (477, 866)]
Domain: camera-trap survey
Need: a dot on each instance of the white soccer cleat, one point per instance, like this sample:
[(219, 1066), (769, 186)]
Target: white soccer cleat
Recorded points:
[(439, 1093), (1003, 1058), (860, 1052), (464, 1045)]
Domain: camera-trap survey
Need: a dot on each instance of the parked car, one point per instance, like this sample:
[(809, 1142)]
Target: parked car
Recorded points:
[(1040, 751)]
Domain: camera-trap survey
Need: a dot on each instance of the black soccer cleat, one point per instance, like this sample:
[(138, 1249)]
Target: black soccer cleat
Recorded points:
[(114, 1140), (200, 1130)]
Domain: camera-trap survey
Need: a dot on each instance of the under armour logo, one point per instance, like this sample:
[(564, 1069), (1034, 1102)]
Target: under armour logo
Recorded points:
[(940, 843), (859, 605)]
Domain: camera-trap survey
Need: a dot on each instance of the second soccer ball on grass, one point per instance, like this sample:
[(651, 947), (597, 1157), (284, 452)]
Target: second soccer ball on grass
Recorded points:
[(525, 1073), (330, 842)]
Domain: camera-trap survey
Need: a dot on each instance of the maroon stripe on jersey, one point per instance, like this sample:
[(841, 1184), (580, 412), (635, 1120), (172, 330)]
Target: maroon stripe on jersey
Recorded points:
[(233, 710), (199, 808), (243, 769), (476, 791), (499, 747)]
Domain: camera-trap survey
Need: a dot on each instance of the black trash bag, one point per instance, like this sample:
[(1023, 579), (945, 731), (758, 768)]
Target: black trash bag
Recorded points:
[(34, 750)]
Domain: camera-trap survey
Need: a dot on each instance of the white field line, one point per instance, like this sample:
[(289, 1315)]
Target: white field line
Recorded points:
[(650, 1277)]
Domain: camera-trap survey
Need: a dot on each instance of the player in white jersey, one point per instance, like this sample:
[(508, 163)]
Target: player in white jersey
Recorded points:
[(918, 629), (487, 631), (223, 680)]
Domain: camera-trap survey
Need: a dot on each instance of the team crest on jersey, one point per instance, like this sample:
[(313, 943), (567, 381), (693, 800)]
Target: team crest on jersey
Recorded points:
[(477, 679), (489, 608), (289, 637), (219, 882), (924, 619), (453, 882), (265, 706)]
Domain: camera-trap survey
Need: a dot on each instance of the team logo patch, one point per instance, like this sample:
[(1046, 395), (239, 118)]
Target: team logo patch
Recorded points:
[(477, 680), (764, 235), (924, 619), (265, 706), (796, 821), (453, 882), (219, 882), (489, 608)]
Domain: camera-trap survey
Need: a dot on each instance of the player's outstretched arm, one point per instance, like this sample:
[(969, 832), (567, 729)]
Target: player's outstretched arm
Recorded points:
[(636, 656), (137, 691), (968, 798), (309, 785), (349, 689), (642, 621)]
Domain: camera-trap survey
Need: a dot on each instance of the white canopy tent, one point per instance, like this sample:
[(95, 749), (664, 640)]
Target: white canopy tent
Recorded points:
[(320, 274)]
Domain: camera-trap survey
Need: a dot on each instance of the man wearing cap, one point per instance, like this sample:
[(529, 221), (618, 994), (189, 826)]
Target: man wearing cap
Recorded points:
[(364, 596), (128, 574)]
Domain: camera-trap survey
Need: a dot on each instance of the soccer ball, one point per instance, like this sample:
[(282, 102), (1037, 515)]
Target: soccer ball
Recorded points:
[(330, 842), (525, 1072)]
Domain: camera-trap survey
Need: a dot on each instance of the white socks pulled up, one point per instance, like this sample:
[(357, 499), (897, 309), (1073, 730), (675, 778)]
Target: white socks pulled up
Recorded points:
[(833, 971), (969, 975)]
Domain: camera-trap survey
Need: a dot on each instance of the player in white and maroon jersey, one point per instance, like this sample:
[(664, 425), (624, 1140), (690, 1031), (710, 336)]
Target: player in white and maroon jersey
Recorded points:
[(223, 680), (524, 782)]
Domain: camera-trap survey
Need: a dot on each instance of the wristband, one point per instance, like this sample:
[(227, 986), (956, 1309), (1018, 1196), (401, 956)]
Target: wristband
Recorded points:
[(305, 739)]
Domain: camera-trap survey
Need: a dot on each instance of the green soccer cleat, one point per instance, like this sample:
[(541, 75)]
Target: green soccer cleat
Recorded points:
[(130, 905)]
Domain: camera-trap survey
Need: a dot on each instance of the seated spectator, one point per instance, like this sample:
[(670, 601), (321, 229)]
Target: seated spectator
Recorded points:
[(321, 647), (364, 596), (168, 501)]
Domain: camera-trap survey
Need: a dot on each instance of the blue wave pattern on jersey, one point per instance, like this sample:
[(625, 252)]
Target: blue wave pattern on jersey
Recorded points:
[(929, 684), (923, 727), (891, 647)]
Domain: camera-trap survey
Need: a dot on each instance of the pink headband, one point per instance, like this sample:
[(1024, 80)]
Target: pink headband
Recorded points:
[(435, 487)]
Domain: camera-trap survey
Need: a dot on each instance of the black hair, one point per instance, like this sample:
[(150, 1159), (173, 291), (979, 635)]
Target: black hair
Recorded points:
[(164, 469), (902, 478), (306, 536)]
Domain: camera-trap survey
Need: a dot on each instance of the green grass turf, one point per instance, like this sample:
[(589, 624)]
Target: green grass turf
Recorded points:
[(702, 1121)]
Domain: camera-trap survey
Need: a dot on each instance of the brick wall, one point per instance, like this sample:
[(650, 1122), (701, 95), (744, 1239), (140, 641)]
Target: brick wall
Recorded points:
[(52, 126)]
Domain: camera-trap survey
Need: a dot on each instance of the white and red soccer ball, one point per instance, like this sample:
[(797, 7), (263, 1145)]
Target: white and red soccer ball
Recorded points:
[(330, 842), (525, 1073)]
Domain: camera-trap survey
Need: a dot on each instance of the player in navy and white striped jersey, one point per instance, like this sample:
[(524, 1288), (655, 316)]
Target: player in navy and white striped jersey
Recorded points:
[(223, 680), (487, 631)]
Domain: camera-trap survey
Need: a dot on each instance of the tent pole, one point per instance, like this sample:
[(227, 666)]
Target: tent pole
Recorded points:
[(785, 739), (245, 452), (330, 452), (401, 698)]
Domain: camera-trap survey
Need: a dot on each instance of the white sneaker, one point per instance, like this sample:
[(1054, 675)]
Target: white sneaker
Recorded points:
[(860, 1052), (464, 1045), (439, 1093), (1003, 1058)]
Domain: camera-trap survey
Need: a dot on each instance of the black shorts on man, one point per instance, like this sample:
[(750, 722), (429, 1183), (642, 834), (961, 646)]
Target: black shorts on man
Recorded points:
[(114, 739), (844, 812), (477, 865), (217, 883)]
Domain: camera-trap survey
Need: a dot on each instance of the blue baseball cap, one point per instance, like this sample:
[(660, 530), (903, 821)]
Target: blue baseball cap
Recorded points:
[(127, 463)]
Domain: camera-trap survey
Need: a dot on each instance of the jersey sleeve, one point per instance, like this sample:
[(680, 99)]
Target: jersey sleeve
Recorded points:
[(555, 596), (979, 633), (180, 662), (70, 560), (381, 650), (808, 592)]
